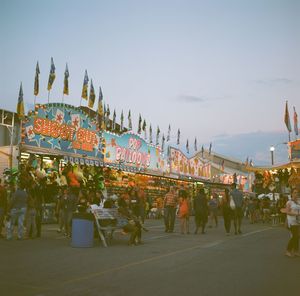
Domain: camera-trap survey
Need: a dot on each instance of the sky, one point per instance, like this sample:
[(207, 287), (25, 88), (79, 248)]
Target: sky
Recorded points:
[(219, 70)]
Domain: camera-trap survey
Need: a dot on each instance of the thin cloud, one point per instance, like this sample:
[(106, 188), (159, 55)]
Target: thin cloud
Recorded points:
[(275, 81), (191, 99), (195, 99)]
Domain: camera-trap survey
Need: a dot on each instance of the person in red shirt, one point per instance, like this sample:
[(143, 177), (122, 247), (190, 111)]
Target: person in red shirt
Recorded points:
[(184, 212)]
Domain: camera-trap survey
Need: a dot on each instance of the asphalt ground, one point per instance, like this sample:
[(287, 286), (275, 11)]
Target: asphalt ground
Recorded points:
[(252, 263)]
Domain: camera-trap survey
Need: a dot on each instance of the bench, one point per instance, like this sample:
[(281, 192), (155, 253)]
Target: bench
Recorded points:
[(107, 221)]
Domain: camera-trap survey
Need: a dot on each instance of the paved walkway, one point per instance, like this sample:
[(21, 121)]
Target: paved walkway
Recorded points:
[(167, 264)]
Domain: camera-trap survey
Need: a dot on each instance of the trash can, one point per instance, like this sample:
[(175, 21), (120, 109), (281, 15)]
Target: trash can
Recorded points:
[(82, 230)]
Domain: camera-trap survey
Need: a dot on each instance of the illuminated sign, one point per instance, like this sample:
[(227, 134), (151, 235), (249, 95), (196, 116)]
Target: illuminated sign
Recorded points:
[(190, 167), (64, 128), (131, 150), (294, 150)]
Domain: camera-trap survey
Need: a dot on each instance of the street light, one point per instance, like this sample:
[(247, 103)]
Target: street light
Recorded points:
[(272, 149)]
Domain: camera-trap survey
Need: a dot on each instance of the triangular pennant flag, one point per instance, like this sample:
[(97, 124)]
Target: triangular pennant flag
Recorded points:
[(150, 134), (100, 104), (122, 121), (114, 120), (209, 150), (287, 118), (169, 133), (66, 81), (144, 129), (129, 121), (84, 93), (295, 122), (178, 137), (51, 75), (20, 105), (140, 125), (36, 80), (187, 146), (92, 96), (163, 143), (157, 135)]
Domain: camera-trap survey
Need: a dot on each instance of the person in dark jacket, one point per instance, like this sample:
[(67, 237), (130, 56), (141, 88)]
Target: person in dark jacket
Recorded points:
[(17, 211), (238, 199), (201, 210), (69, 205)]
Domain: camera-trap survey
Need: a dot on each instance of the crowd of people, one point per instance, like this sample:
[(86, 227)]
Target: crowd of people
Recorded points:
[(24, 208)]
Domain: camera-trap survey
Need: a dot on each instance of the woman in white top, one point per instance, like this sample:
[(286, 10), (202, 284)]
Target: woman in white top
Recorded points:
[(293, 219)]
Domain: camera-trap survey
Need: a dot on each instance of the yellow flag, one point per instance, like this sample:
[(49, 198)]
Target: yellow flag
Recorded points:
[(20, 106), (92, 96), (84, 93), (51, 75)]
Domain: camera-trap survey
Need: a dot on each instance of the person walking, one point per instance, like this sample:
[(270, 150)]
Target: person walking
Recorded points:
[(69, 203), (184, 212), (213, 206), (3, 205), (31, 213), (227, 211), (238, 199), (201, 210), (293, 220), (17, 211), (170, 203)]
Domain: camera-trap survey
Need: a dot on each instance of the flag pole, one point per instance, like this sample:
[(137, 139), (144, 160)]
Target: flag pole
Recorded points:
[(48, 96), (34, 100)]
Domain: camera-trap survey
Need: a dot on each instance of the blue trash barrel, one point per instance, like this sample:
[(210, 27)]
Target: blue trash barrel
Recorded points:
[(82, 230)]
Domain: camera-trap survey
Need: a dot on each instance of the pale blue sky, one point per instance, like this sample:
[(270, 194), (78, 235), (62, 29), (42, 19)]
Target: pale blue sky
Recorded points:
[(210, 68)]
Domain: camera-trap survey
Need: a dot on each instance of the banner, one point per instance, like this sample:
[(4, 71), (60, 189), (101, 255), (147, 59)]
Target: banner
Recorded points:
[(131, 151), (62, 127), (294, 150), (190, 167)]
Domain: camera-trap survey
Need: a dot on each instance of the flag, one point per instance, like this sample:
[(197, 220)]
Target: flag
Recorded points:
[(144, 128), (51, 75), (100, 104), (251, 162), (150, 134), (195, 144), (129, 121), (209, 150), (247, 161), (104, 110), (92, 95), (157, 135), (84, 93), (187, 146), (36, 80), (66, 81), (20, 106), (178, 137), (287, 117), (169, 133), (202, 151), (122, 121), (107, 116), (140, 125), (295, 122), (114, 120), (163, 143)]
